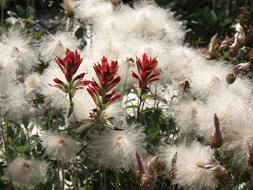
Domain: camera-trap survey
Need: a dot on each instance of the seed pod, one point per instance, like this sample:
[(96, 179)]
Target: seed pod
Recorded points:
[(241, 34), (155, 164), (148, 179), (216, 139), (116, 2), (146, 173), (212, 47), (231, 77), (184, 85), (173, 169), (68, 8), (241, 67), (219, 171)]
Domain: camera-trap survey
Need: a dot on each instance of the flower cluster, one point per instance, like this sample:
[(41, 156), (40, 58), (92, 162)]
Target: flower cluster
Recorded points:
[(69, 66), (147, 72), (146, 173), (102, 92)]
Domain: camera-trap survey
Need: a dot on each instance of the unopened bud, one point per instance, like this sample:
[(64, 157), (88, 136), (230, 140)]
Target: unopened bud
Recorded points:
[(231, 77), (216, 139), (212, 47), (219, 171), (155, 164), (241, 67), (116, 2), (68, 8), (173, 167), (184, 85)]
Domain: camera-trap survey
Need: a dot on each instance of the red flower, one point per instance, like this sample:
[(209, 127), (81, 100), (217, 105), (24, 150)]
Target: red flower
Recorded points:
[(69, 66), (147, 72), (102, 91)]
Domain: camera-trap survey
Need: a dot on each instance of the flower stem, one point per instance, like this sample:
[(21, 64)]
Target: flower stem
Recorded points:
[(4, 139), (117, 180), (155, 100), (36, 116), (2, 14), (29, 142), (71, 105), (63, 176), (104, 186), (139, 109), (58, 174)]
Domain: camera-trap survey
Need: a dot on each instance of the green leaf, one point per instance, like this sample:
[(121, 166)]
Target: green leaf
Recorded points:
[(132, 106), (146, 97), (213, 17), (21, 149)]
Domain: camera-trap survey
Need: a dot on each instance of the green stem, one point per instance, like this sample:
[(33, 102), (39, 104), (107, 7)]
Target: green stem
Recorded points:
[(104, 179), (76, 173), (29, 142), (125, 80), (2, 15), (155, 100), (36, 116), (117, 180), (4, 139), (139, 109), (71, 105), (63, 176), (58, 174)]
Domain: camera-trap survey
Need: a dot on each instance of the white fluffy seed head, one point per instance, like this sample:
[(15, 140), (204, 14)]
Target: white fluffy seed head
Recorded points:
[(59, 147), (92, 8), (116, 149), (53, 96), (188, 174), (13, 103), (150, 22), (32, 83), (17, 52), (27, 172), (238, 137), (56, 45)]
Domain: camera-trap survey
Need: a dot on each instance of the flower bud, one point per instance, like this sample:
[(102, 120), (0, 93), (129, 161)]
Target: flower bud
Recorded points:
[(184, 85), (219, 171), (173, 169), (212, 47), (231, 77), (241, 67), (216, 139), (116, 2), (68, 7)]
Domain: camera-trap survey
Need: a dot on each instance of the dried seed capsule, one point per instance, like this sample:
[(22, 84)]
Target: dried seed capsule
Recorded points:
[(216, 139), (231, 77)]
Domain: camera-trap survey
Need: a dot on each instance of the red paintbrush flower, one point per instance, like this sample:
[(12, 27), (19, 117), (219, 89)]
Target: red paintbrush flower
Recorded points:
[(147, 72), (69, 66), (102, 91)]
